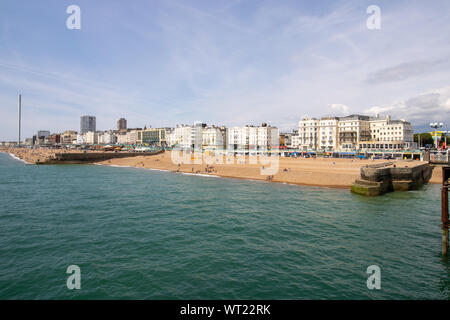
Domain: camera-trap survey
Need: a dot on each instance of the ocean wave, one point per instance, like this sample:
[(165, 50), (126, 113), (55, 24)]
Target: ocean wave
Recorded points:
[(18, 159), (200, 175), (151, 169)]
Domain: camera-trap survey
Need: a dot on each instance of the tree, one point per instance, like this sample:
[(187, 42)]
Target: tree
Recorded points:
[(425, 138)]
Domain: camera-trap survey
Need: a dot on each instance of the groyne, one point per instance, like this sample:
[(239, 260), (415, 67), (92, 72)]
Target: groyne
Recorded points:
[(92, 157), (388, 177)]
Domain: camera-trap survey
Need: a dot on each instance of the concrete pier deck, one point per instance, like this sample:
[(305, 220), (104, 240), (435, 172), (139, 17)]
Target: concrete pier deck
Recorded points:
[(386, 177)]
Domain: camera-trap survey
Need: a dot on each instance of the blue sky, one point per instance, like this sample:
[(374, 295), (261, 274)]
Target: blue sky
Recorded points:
[(230, 62)]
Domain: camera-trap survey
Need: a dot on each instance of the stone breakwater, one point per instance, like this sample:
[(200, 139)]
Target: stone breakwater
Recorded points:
[(387, 177), (91, 157), (58, 156)]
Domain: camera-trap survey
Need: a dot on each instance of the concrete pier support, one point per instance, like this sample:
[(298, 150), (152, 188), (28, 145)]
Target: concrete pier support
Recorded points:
[(445, 223), (444, 208)]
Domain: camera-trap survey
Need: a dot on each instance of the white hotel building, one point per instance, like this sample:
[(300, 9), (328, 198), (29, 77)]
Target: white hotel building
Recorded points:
[(219, 138), (255, 138), (354, 132)]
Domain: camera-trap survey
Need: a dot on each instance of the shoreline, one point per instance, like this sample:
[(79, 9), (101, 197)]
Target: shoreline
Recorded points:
[(335, 173), (225, 177), (12, 155), (311, 172)]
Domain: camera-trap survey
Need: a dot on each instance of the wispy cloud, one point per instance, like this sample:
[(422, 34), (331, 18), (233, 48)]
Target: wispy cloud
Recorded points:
[(225, 62), (408, 70), (420, 109)]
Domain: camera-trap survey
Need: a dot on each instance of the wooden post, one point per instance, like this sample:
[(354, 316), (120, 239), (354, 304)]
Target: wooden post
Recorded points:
[(444, 197), (444, 206)]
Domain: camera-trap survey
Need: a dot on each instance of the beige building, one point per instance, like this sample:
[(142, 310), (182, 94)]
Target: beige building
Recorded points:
[(352, 130), (127, 137), (91, 137), (69, 137)]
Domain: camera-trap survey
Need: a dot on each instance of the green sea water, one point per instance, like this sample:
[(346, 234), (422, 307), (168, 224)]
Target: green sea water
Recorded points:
[(142, 234)]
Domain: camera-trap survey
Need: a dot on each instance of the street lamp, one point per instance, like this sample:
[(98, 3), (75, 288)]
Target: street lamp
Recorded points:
[(436, 125)]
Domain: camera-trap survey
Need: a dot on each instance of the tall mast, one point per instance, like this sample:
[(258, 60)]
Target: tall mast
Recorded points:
[(19, 114)]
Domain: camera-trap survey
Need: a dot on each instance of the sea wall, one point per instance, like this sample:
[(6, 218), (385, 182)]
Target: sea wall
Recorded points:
[(91, 157), (387, 177)]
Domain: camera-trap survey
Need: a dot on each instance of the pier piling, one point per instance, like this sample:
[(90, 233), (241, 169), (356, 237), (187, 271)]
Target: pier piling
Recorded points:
[(444, 206)]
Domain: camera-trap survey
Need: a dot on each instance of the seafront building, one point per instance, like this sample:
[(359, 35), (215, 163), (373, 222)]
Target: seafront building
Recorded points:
[(188, 136), (152, 136), (308, 134), (81, 139), (327, 134), (214, 138), (354, 132), (107, 137), (69, 137), (249, 137), (128, 136), (91, 137)]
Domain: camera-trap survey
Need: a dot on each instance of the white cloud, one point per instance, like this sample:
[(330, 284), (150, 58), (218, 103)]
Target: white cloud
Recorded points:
[(339, 109), (250, 62), (421, 110)]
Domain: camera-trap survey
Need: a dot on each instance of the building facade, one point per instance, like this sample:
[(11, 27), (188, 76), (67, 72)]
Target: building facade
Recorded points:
[(213, 138), (122, 124), (69, 137), (43, 134), (352, 130), (91, 137), (328, 133), (262, 137), (351, 133), (107, 137), (152, 136), (308, 134), (88, 123)]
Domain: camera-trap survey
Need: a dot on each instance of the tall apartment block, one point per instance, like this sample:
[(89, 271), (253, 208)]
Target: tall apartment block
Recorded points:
[(87, 123), (122, 124)]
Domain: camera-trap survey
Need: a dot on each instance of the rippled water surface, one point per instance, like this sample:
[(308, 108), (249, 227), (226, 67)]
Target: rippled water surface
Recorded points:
[(141, 234)]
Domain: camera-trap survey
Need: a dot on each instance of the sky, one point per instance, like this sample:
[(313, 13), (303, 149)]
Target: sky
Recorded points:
[(224, 62)]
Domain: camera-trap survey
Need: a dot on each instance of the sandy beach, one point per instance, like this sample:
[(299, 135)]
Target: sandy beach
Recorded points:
[(323, 172)]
